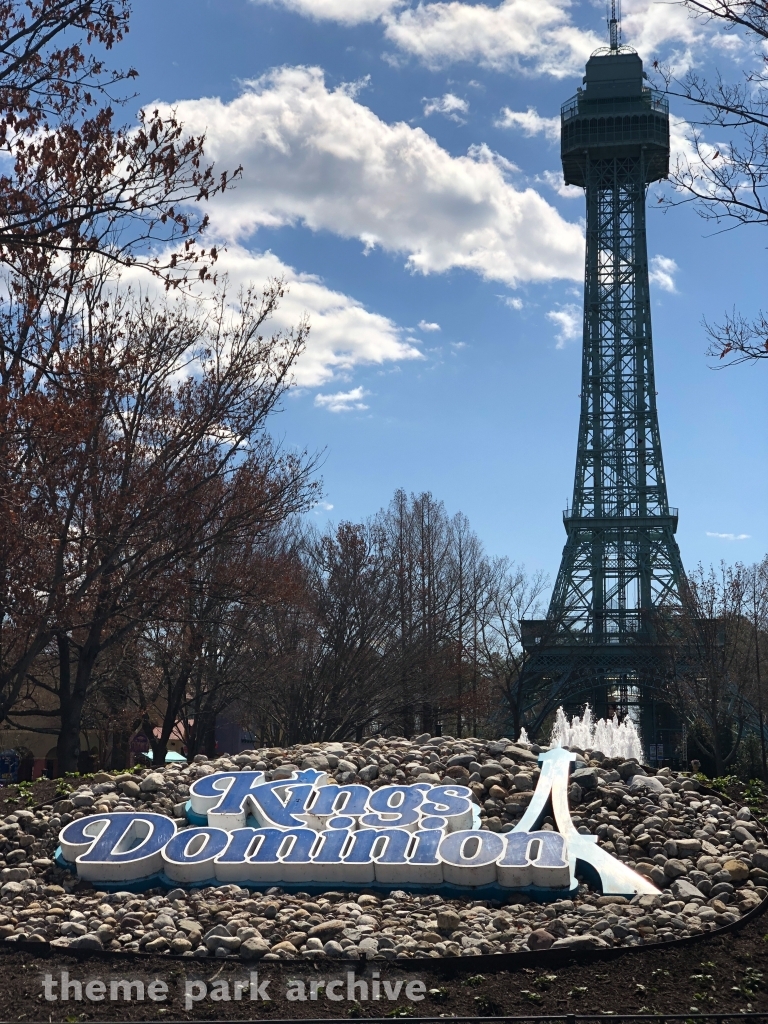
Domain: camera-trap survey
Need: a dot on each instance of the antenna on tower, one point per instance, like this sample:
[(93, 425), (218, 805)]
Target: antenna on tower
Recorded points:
[(614, 24)]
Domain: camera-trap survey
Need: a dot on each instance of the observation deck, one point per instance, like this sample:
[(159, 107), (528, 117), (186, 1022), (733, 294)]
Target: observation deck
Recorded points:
[(615, 115)]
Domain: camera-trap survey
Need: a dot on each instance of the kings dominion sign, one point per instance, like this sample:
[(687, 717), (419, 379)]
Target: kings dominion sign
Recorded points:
[(307, 833)]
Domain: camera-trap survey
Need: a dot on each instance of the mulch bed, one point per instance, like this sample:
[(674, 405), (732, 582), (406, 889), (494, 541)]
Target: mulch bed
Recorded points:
[(726, 973)]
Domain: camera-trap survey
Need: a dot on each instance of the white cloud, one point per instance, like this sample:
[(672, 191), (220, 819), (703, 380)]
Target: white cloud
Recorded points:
[(317, 157), (529, 122), (343, 401), (569, 323), (729, 536), (534, 35), (449, 105), (540, 36), (662, 270), (343, 334), (514, 33), (424, 326), (513, 303), (666, 31), (348, 12), (554, 180)]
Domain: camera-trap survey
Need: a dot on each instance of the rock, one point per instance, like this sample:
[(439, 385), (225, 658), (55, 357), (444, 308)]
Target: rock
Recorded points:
[(737, 869), (180, 945), (744, 814), (646, 782), (690, 785), (284, 947), (688, 847), (158, 945), (327, 929), (129, 787), (521, 754), (253, 949), (749, 900), (607, 901), (333, 949), (448, 920), (15, 874), (523, 783), (657, 876), (685, 890), (759, 859), (462, 760), (229, 942), (675, 868), (574, 794), (628, 769), (88, 941), (152, 783), (581, 942), (492, 768), (317, 761), (741, 835), (586, 778), (541, 939), (369, 773)]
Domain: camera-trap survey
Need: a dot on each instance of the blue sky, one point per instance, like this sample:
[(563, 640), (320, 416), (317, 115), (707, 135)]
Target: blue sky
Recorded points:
[(394, 174)]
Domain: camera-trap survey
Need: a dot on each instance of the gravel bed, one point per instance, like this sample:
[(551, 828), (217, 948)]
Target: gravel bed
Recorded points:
[(708, 858)]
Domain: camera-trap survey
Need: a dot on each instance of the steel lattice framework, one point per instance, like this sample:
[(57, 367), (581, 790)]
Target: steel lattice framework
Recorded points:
[(621, 561)]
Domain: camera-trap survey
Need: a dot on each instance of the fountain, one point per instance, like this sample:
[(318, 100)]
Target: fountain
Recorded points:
[(613, 738)]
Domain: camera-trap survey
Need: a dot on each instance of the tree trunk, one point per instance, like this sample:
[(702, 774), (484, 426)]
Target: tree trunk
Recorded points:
[(210, 736), (68, 743), (72, 697)]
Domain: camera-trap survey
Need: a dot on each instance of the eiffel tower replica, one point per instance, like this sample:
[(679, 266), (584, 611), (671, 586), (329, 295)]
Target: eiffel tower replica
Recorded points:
[(621, 561)]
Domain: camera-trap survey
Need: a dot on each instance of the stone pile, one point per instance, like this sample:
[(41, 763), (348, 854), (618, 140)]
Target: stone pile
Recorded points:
[(709, 859)]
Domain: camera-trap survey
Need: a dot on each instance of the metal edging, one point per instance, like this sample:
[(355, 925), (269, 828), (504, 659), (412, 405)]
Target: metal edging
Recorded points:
[(553, 957), (564, 1018)]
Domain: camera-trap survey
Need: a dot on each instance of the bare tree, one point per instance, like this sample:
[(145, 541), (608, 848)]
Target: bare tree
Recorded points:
[(74, 183), (728, 181), (131, 456), (757, 612), (418, 536), (326, 654), (470, 571), (711, 650), (510, 596)]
